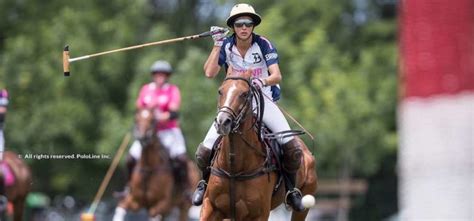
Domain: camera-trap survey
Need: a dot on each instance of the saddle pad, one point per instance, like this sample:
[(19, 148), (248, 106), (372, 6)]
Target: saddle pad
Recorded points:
[(9, 177)]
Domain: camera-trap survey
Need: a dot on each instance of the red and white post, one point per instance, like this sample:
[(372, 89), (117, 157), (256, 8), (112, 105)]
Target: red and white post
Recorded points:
[(436, 110)]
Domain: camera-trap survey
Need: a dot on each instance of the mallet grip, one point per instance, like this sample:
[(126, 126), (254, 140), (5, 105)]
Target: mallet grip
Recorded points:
[(209, 33), (66, 61)]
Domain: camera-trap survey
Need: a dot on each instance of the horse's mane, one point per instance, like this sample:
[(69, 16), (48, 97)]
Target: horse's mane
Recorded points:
[(247, 74)]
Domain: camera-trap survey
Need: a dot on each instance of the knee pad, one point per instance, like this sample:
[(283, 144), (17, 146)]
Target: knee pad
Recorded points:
[(203, 157), (292, 154)]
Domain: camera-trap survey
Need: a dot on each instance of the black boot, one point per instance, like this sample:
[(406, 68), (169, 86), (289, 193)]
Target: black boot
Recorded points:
[(130, 163), (180, 171), (292, 154), (293, 195), (203, 160)]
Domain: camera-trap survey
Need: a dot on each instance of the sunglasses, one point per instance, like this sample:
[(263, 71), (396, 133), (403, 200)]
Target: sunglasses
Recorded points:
[(248, 23)]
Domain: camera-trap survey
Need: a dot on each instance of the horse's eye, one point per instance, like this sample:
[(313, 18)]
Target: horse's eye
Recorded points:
[(244, 95), (219, 92)]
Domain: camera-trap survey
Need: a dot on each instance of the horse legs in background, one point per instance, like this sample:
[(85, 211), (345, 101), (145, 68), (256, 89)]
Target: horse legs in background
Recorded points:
[(119, 214), (156, 218), (121, 210)]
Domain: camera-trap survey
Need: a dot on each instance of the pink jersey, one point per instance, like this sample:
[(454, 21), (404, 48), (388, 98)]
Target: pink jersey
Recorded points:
[(153, 97)]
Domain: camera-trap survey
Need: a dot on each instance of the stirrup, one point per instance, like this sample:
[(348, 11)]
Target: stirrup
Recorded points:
[(202, 183), (290, 192)]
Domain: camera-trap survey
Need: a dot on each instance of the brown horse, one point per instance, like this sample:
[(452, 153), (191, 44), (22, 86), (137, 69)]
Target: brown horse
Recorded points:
[(16, 193), (244, 183), (152, 185)]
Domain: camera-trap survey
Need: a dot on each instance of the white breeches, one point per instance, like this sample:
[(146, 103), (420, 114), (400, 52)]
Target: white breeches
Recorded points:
[(273, 118), (172, 139)]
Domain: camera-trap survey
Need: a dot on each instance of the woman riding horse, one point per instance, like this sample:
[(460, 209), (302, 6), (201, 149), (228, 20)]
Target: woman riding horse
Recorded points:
[(151, 183), (242, 51), (244, 183), (165, 100)]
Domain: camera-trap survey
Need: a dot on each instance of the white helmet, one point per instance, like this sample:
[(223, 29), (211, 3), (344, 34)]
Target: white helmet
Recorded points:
[(161, 66), (241, 10)]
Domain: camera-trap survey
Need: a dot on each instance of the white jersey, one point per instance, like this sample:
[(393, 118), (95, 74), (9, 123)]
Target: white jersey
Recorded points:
[(259, 56)]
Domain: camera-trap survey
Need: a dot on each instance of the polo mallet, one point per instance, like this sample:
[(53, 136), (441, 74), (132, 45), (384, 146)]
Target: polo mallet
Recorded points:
[(67, 60)]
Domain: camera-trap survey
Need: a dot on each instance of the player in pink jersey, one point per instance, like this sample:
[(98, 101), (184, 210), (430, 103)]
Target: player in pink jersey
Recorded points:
[(165, 99)]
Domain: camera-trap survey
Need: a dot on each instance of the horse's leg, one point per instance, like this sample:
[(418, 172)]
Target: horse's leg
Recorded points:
[(183, 212), (119, 214), (208, 213), (309, 181), (299, 216), (122, 207), (161, 208), (18, 206), (155, 218)]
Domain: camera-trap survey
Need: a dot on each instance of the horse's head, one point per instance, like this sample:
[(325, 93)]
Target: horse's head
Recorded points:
[(235, 99), (144, 126)]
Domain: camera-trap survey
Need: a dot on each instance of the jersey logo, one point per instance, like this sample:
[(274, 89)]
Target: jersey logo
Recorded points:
[(256, 58)]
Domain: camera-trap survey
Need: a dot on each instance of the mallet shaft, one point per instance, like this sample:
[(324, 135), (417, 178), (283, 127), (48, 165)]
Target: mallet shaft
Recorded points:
[(67, 60)]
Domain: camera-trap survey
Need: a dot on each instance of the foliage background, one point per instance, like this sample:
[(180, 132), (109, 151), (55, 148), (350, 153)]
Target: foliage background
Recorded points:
[(338, 59)]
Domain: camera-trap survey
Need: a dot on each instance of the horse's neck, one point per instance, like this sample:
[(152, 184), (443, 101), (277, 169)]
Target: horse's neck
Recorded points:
[(246, 157), (152, 153)]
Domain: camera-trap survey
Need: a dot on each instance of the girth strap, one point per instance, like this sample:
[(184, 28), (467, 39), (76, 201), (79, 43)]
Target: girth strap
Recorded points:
[(243, 176)]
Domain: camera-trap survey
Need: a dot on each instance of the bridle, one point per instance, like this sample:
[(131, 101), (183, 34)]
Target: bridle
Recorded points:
[(239, 115), (149, 135)]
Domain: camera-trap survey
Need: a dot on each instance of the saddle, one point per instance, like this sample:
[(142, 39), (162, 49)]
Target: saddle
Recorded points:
[(274, 153)]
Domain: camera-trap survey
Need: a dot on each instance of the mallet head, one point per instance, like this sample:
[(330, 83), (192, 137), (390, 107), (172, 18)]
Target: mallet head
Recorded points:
[(66, 61)]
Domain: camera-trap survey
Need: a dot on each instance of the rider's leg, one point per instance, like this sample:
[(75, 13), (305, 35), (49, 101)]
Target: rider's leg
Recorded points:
[(203, 160), (134, 155), (292, 153), (173, 140), (131, 163), (180, 169)]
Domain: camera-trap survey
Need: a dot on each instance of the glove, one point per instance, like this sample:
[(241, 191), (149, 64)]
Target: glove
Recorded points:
[(258, 83), (218, 35)]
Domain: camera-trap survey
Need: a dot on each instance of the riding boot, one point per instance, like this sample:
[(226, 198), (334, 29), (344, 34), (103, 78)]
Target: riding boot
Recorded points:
[(180, 167), (203, 160), (292, 154), (130, 163)]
